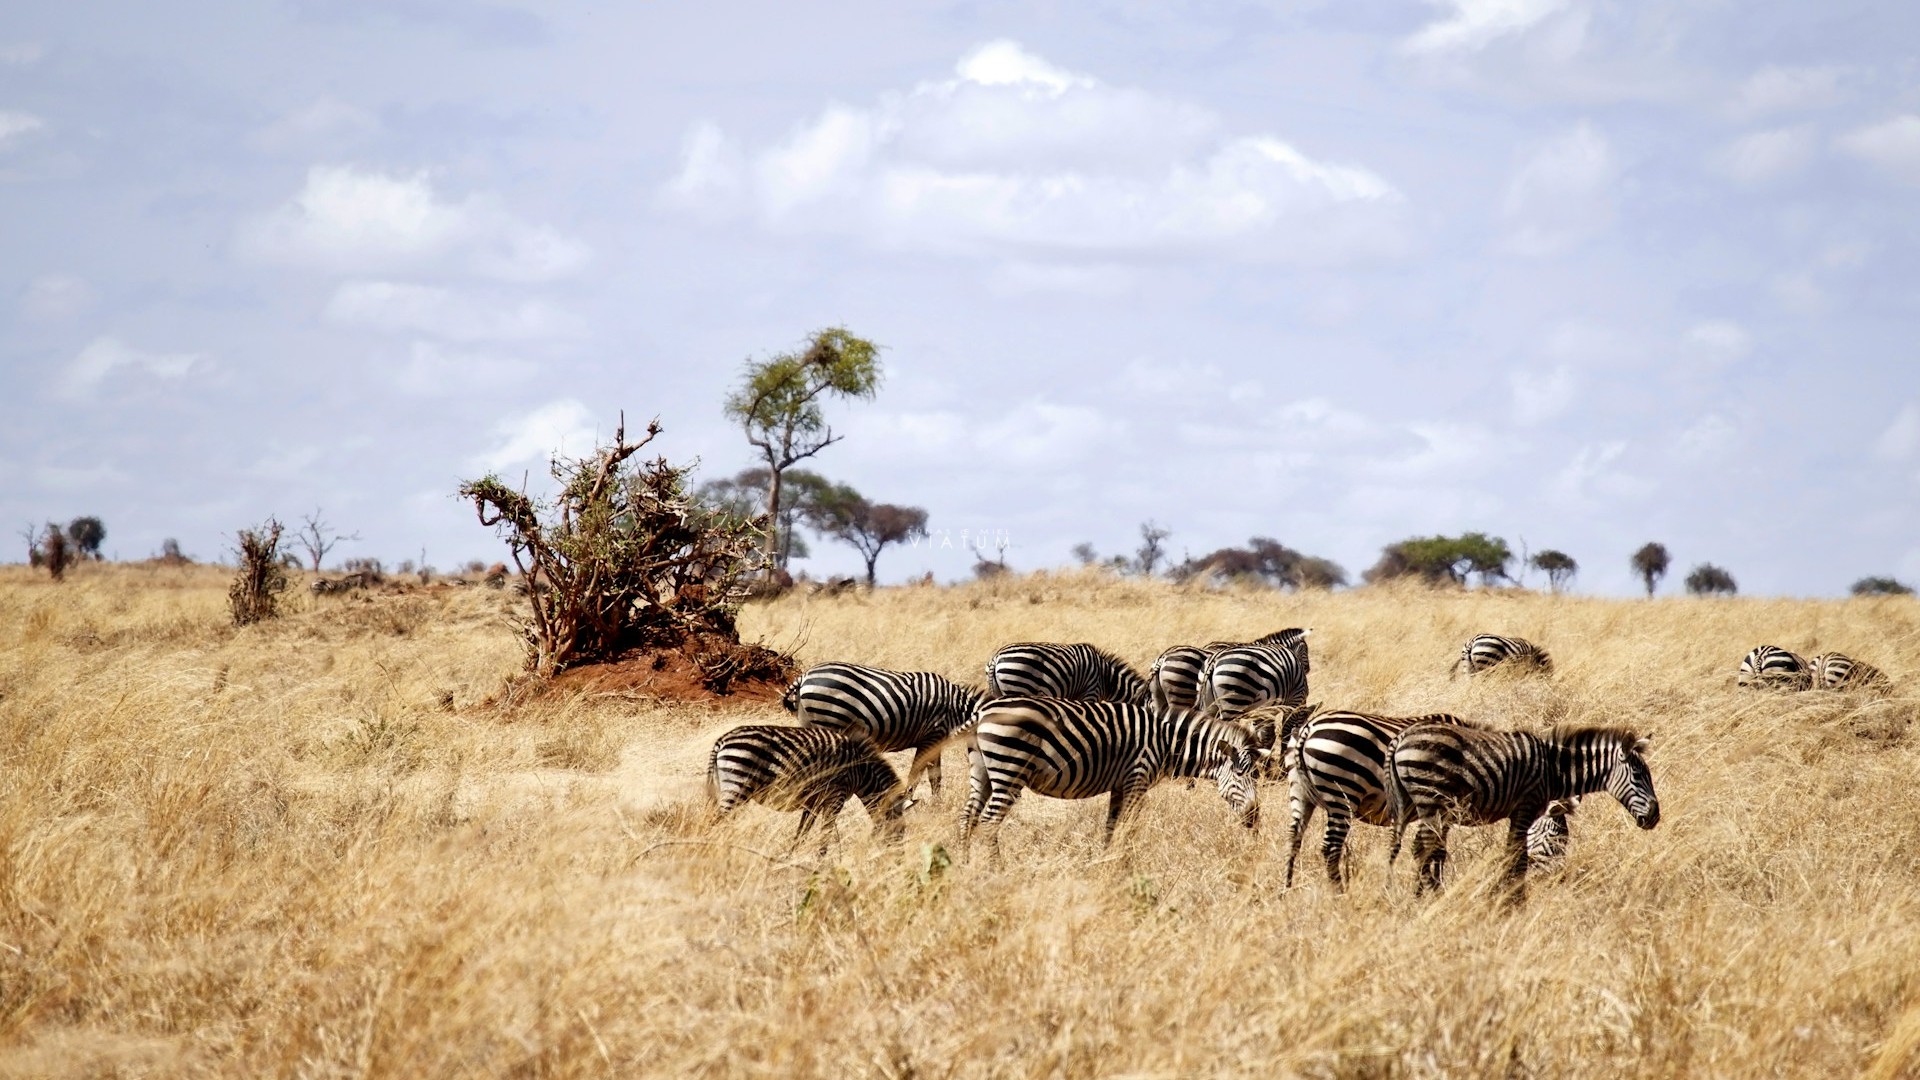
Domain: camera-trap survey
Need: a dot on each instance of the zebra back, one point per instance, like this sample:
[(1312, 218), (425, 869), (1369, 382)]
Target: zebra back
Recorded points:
[(1468, 775), (1238, 678), (1838, 671), (896, 710), (1078, 672), (1492, 650), (1772, 667), (801, 768)]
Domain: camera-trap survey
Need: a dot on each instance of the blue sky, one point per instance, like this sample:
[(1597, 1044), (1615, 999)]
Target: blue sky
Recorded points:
[(1578, 274)]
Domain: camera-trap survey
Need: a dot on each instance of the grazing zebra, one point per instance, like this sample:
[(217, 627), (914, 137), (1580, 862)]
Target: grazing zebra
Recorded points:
[(810, 769), (1175, 677), (895, 710), (1838, 671), (1337, 762), (1771, 667), (1440, 775), (1080, 749), (1075, 672), (1491, 650), (1238, 678)]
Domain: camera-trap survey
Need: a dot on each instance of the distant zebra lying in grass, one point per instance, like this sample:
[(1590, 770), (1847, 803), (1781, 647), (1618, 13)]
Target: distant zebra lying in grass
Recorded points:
[(813, 770), (1770, 667), (1490, 651), (1838, 671)]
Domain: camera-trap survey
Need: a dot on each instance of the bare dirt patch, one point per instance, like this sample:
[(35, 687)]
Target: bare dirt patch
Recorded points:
[(704, 669)]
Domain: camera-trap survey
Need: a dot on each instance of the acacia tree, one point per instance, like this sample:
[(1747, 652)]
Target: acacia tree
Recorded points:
[(1650, 562), (778, 401), (1708, 579), (1558, 565), (317, 537), (1437, 559), (87, 534), (1152, 548), (745, 495), (1881, 586), (845, 515)]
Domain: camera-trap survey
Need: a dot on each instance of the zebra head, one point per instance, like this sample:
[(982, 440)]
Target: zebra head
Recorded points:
[(1238, 773), (889, 821), (1632, 783)]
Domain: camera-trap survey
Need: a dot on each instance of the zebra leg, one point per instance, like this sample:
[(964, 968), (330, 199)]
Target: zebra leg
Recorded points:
[(807, 818), (925, 760), (1430, 853), (999, 803), (1123, 804), (1514, 887)]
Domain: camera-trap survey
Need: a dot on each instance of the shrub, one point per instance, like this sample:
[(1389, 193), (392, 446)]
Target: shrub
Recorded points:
[(255, 592)]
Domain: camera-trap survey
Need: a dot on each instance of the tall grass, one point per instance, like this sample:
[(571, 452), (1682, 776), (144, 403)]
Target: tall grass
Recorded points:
[(317, 847)]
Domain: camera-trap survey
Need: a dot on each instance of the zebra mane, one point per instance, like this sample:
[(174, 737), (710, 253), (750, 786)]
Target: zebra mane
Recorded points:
[(1588, 734)]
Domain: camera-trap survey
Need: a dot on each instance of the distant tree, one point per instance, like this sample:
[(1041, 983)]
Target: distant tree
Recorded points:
[(1708, 579), (777, 405), (1152, 550), (1650, 562), (984, 567), (1558, 565), (1437, 559), (262, 577), (87, 534), (744, 495), (170, 552), (1881, 586), (1318, 573), (317, 537), (55, 553), (1084, 553), (1267, 561), (845, 515), (31, 534)]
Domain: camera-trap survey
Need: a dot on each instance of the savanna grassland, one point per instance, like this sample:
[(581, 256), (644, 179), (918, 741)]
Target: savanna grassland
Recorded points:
[(323, 846)]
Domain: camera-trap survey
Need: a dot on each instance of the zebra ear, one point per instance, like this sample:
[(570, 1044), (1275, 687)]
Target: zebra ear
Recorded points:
[(1643, 744)]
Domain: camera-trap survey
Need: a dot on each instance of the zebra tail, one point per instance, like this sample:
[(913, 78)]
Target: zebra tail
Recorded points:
[(1399, 806)]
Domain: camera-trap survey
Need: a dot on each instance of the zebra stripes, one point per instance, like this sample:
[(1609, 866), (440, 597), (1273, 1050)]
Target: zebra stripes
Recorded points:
[(895, 710), (1075, 672), (1838, 671), (1238, 678), (1440, 775), (1492, 650), (1337, 762), (1080, 749), (810, 769), (1770, 667), (1175, 676)]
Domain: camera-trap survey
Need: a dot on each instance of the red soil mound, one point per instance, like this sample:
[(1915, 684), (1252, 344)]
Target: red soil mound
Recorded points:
[(711, 669)]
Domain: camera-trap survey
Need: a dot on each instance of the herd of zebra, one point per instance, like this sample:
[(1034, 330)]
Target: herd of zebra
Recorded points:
[(1772, 667), (1072, 721)]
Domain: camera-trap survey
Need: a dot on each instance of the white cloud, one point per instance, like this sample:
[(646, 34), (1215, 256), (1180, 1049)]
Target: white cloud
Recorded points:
[(14, 125), (1708, 439), (1716, 343), (1473, 24), (1441, 451), (1788, 89), (434, 370), (105, 355), (1766, 156), (400, 307), (345, 220), (1799, 293), (56, 298), (327, 124), (563, 427), (22, 53), (1562, 195), (1592, 478), (1539, 396), (1891, 145), (1901, 439), (1017, 158)]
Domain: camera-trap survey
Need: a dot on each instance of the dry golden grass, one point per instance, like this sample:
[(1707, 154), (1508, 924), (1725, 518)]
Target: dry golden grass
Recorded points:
[(311, 848)]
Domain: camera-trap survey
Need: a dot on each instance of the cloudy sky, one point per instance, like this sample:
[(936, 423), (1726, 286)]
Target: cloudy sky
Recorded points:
[(1580, 274)]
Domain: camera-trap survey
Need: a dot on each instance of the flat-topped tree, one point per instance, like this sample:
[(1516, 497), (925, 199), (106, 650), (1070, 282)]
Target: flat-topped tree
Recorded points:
[(845, 515), (778, 402)]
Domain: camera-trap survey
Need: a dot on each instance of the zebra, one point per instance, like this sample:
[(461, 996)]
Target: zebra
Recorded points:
[(1440, 775), (896, 710), (1236, 679), (1838, 671), (1075, 672), (1774, 668), (810, 769), (1492, 650), (1337, 762), (1175, 676), (1080, 749)]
